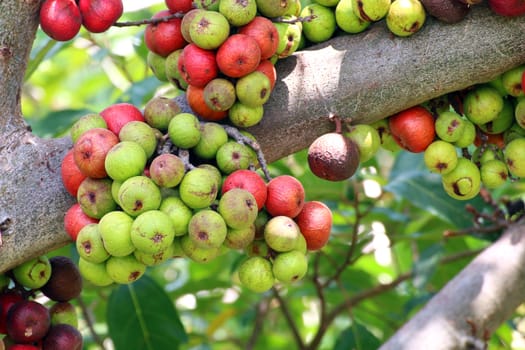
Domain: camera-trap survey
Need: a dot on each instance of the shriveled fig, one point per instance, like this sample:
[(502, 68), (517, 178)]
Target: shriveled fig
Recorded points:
[(333, 157), (448, 11)]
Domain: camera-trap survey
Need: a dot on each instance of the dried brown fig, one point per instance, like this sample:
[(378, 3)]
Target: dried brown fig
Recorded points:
[(448, 11)]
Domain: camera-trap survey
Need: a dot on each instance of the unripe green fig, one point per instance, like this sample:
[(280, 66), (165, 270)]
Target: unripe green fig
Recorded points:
[(255, 273), (86, 122), (196, 253), (244, 116), (233, 156), (213, 136), (157, 64), (240, 238), (179, 213), (141, 133), (367, 140), (371, 10), (95, 273), (290, 266), (273, 8), (167, 170), (124, 160), (405, 17), (482, 104), (184, 130), (198, 188), (494, 173), (467, 136), (159, 111), (322, 26), (347, 20), (152, 231), (281, 233), (207, 229), (90, 245), (95, 198), (124, 269), (238, 207), (503, 120), (33, 273), (440, 157), (449, 126), (115, 230), (515, 157), (139, 194), (464, 181)]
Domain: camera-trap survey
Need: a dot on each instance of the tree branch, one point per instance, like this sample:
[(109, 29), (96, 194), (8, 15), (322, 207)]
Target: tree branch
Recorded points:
[(481, 297)]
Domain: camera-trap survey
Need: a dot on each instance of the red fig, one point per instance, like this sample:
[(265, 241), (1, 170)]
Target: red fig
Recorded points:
[(99, 15), (509, 8), (60, 19), (28, 321)]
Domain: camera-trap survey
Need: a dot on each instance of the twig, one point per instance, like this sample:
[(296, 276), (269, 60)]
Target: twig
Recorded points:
[(149, 21), (293, 20), (89, 322), (184, 154), (288, 316), (261, 311), (239, 137)]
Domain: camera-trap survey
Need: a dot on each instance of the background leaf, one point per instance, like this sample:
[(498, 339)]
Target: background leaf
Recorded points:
[(141, 316)]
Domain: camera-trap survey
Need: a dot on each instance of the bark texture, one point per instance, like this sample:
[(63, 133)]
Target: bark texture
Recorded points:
[(365, 77)]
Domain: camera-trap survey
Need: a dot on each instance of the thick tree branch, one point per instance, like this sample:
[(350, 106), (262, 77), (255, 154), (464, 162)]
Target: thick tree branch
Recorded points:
[(474, 303)]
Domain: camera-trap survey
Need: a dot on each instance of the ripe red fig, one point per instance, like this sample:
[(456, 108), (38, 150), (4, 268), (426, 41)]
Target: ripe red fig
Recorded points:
[(285, 196), (179, 5), (65, 282), (265, 34), (119, 114), (413, 128), (267, 67), (75, 219), (315, 222), (71, 175), (165, 37), (197, 66), (28, 321), (90, 151), (99, 15), (63, 336), (238, 55), (7, 300), (60, 19), (509, 8)]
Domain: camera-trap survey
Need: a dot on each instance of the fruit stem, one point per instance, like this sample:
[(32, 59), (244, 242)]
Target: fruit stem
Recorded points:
[(237, 136), (149, 21), (294, 20), (184, 154), (337, 120)]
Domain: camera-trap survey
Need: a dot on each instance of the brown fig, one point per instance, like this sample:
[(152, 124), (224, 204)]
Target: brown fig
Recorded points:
[(65, 282), (448, 11), (333, 157)]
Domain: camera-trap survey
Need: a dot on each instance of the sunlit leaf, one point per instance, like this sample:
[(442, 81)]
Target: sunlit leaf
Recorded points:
[(140, 316)]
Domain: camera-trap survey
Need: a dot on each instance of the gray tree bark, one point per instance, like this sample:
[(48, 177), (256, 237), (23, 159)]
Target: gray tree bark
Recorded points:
[(365, 77)]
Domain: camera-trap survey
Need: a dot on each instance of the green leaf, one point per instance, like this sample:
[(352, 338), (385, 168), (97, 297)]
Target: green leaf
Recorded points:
[(425, 267), (357, 337), (141, 316)]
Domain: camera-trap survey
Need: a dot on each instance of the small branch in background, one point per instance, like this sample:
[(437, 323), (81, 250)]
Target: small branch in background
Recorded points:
[(261, 311), (184, 154), (89, 322), (149, 21), (289, 319)]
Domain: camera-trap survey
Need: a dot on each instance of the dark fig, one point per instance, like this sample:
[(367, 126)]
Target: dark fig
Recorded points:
[(28, 321), (448, 11), (63, 336), (333, 157), (65, 282)]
